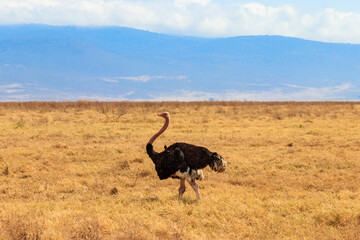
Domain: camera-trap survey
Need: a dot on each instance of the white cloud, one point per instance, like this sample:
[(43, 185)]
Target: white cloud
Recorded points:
[(277, 94), (99, 98), (331, 25), (11, 88), (180, 77), (14, 90), (129, 93), (17, 98), (141, 78), (188, 17), (110, 80), (182, 3), (293, 85)]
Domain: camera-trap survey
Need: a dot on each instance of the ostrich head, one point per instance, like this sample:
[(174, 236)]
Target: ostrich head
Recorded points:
[(218, 164), (165, 115)]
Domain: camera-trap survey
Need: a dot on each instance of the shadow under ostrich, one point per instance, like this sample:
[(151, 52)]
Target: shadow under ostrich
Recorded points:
[(183, 160)]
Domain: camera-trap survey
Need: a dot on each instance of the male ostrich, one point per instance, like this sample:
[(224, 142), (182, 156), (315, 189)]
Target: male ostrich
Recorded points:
[(183, 160)]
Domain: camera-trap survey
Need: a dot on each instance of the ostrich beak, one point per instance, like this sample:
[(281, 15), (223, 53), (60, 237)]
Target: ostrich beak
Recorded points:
[(163, 114)]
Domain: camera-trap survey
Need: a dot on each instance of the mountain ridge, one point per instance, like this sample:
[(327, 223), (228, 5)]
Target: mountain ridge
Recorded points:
[(74, 63)]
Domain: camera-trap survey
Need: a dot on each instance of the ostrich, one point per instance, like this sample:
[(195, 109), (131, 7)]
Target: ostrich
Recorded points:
[(183, 160)]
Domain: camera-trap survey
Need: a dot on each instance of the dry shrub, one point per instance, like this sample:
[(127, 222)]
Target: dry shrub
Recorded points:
[(129, 234), (119, 168), (88, 136), (6, 171), (98, 187), (84, 228), (18, 227), (57, 135), (42, 121), (20, 124), (60, 145), (334, 116), (151, 199), (123, 165), (348, 228), (278, 115), (144, 173), (114, 191), (164, 234), (138, 160), (220, 110), (329, 219)]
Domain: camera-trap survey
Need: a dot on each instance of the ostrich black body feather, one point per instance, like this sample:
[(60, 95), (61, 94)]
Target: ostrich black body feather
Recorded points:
[(180, 156)]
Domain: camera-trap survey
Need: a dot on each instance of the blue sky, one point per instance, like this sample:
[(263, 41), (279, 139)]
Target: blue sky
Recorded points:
[(322, 20)]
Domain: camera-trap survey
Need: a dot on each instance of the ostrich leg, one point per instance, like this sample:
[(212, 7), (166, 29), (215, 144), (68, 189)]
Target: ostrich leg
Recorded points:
[(195, 186), (182, 187)]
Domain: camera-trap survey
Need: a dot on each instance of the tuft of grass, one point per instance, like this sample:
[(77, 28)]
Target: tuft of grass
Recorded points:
[(151, 199), (144, 173), (123, 165), (6, 171), (87, 228), (20, 124), (138, 160), (19, 227), (114, 191)]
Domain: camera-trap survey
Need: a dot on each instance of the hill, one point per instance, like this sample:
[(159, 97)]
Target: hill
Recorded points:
[(40, 62)]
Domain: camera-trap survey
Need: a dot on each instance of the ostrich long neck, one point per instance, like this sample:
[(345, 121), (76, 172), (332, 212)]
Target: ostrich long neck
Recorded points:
[(166, 124)]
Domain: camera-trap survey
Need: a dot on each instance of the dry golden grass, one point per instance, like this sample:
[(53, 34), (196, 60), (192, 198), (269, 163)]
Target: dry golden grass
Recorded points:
[(80, 171)]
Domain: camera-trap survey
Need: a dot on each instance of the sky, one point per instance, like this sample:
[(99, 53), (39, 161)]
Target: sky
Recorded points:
[(320, 20)]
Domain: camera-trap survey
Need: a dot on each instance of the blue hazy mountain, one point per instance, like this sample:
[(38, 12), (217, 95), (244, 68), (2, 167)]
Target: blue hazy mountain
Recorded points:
[(40, 62)]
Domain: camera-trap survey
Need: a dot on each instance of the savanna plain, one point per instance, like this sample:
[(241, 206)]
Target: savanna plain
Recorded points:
[(79, 170)]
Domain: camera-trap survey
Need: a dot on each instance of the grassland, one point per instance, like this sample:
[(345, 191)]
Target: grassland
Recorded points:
[(80, 171)]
